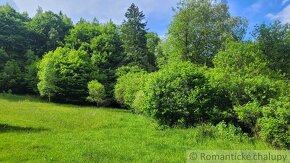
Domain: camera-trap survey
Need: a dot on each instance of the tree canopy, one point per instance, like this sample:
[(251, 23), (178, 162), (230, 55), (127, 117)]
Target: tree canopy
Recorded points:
[(200, 28), (133, 34)]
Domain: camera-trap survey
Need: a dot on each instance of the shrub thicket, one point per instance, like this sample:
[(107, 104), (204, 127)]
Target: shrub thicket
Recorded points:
[(260, 96), (274, 126), (179, 94), (127, 87)]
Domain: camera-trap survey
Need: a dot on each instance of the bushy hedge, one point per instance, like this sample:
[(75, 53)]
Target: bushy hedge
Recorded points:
[(179, 94), (242, 71), (260, 97), (248, 116), (127, 87), (243, 90), (274, 126)]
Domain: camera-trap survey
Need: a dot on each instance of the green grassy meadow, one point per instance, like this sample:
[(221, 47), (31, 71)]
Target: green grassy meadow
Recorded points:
[(35, 131)]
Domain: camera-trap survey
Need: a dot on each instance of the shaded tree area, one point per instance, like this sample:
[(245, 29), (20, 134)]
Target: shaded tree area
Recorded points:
[(15, 52), (274, 41), (49, 30), (25, 40)]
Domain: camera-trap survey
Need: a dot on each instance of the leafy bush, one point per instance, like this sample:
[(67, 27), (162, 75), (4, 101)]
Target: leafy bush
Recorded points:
[(138, 101), (179, 94), (275, 123), (127, 87), (270, 121), (243, 90), (227, 132), (248, 115), (96, 92), (123, 70), (242, 71), (243, 59)]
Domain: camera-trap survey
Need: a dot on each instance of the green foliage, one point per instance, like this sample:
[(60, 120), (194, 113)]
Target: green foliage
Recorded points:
[(75, 71), (161, 57), (241, 70), (81, 35), (275, 123), (103, 44), (49, 30), (200, 28), (248, 114), (22, 40), (179, 94), (107, 51), (47, 76), (107, 54), (152, 41), (127, 69), (15, 42), (260, 89), (244, 59), (90, 61), (64, 74), (274, 42), (31, 70), (96, 92), (13, 32), (3, 58), (11, 77), (228, 132), (127, 87), (134, 40)]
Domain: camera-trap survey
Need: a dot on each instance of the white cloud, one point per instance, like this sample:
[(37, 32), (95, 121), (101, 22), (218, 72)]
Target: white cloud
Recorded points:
[(271, 16), (102, 10), (283, 16), (255, 7)]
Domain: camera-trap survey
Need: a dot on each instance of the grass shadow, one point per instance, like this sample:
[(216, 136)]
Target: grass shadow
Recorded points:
[(7, 128)]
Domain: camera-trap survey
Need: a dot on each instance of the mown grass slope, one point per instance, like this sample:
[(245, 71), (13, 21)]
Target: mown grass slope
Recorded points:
[(35, 131)]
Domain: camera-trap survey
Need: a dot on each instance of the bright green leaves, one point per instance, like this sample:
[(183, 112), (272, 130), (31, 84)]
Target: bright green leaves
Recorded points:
[(96, 92), (64, 74)]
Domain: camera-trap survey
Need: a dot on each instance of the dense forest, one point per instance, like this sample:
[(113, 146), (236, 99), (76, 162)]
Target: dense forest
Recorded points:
[(204, 71)]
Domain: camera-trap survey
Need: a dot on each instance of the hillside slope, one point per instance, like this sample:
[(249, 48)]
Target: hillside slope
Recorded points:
[(35, 131)]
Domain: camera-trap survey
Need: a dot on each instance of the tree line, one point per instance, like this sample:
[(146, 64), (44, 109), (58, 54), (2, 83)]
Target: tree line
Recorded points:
[(202, 72)]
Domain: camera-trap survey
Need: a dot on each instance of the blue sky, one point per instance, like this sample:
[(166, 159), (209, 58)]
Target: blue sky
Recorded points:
[(158, 12)]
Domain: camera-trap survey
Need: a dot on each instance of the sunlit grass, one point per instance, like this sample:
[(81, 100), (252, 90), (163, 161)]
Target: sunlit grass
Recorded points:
[(35, 131)]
